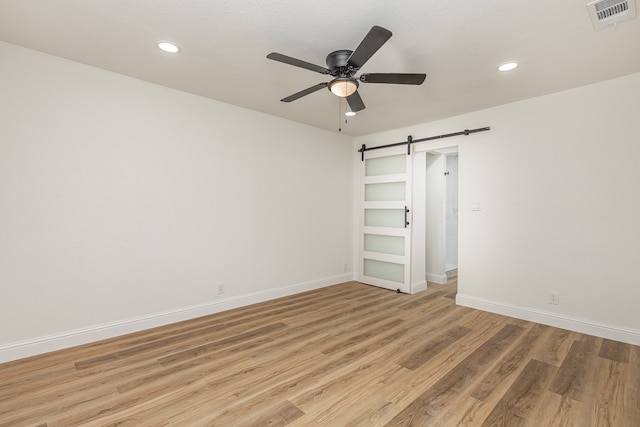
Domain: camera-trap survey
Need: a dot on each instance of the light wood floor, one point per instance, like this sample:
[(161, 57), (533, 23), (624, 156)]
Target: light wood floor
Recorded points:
[(346, 355)]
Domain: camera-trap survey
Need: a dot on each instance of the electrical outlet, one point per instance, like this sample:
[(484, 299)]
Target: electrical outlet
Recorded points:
[(346, 267), (554, 298), (220, 288)]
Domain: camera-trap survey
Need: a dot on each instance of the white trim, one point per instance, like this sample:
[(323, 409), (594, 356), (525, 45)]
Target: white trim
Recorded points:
[(552, 319), (384, 152), (382, 283), (385, 231), (40, 345), (440, 279), (384, 179), (419, 287), (379, 256), (439, 146)]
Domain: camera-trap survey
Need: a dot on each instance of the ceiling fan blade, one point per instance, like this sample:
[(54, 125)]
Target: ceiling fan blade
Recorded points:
[(305, 92), (375, 38), (297, 63), (355, 102), (395, 78)]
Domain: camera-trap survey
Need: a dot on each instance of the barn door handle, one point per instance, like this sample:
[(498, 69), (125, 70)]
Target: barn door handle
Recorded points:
[(406, 211)]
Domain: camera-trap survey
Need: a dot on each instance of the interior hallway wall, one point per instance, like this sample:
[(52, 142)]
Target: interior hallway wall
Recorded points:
[(451, 257), (436, 238)]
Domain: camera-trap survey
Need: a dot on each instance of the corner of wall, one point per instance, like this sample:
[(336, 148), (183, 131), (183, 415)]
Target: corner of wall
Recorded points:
[(552, 319), (46, 344)]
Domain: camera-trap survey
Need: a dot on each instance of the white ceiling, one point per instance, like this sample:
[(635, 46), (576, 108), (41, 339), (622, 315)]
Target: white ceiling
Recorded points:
[(458, 43)]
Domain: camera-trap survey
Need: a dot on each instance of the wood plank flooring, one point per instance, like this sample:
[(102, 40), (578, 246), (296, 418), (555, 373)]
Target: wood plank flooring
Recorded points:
[(346, 355)]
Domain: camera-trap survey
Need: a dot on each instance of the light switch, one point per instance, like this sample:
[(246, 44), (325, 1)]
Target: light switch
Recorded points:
[(475, 206)]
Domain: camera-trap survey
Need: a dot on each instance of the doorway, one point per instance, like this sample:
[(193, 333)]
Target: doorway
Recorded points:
[(409, 212), (441, 215)]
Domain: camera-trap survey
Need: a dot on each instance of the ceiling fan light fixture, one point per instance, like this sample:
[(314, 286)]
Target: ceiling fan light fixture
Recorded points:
[(350, 113), (343, 87), (168, 47)]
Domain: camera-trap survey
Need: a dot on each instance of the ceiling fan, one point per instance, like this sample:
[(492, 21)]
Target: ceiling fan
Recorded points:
[(344, 64)]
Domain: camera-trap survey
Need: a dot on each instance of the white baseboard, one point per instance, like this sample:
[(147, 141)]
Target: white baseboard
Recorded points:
[(419, 286), (440, 279), (41, 345), (552, 319)]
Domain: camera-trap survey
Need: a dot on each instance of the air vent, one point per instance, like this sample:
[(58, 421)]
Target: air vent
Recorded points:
[(607, 12)]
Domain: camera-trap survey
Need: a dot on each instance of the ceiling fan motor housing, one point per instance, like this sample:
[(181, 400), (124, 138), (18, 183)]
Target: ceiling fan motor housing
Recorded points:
[(337, 61)]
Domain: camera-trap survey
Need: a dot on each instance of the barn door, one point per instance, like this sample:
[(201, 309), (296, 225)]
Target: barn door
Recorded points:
[(385, 255)]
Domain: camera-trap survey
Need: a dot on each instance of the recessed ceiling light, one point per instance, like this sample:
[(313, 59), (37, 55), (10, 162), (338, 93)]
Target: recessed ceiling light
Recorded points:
[(168, 47), (350, 113), (508, 66)]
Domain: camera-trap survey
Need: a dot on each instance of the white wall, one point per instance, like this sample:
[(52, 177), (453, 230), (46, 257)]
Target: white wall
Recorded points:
[(123, 204), (451, 257), (436, 237), (557, 181)]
